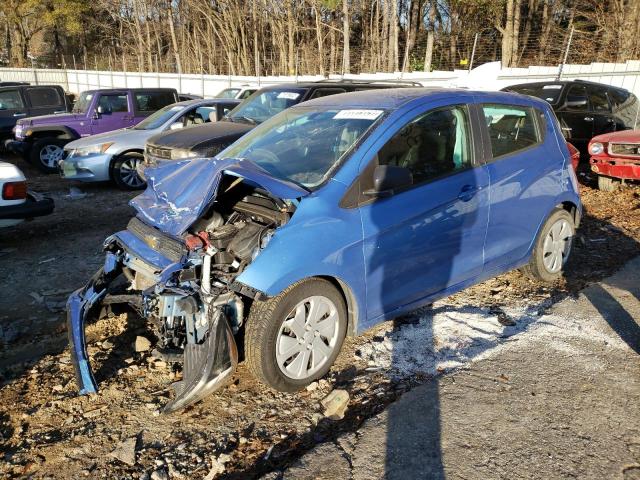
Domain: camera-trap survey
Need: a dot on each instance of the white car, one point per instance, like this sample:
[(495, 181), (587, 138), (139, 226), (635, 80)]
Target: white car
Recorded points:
[(17, 203), (239, 93)]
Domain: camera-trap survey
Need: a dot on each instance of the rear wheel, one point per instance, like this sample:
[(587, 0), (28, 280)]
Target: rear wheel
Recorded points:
[(46, 153), (552, 247), (124, 171), (294, 338), (608, 184)]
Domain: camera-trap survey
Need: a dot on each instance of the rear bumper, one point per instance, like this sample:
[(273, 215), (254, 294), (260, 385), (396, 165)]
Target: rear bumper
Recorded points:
[(94, 168), (628, 171), (35, 206)]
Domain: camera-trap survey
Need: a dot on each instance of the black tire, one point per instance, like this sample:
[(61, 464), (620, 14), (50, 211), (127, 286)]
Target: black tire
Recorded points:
[(536, 268), (263, 325), (41, 151), (124, 174), (608, 184)]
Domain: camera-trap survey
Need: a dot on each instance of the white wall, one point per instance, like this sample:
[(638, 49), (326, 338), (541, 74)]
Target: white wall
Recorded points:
[(486, 77)]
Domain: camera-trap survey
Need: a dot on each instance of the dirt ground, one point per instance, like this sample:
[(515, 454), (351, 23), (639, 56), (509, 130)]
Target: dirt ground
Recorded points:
[(243, 431)]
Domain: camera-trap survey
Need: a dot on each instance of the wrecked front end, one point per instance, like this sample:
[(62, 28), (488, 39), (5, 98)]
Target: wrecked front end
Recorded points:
[(183, 282)]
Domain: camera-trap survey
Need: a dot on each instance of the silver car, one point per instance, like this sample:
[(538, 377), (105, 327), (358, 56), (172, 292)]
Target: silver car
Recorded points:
[(115, 155)]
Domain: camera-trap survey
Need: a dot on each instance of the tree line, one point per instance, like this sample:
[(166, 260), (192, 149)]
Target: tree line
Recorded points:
[(286, 37)]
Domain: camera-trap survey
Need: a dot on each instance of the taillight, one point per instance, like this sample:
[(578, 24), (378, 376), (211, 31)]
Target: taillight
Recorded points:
[(14, 191)]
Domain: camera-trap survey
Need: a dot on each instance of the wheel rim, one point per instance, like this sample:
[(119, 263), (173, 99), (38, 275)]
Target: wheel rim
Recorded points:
[(129, 173), (50, 155), (307, 338), (557, 245)]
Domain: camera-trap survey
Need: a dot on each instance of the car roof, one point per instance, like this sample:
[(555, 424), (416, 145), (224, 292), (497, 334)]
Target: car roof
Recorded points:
[(123, 89), (198, 101), (567, 82), (338, 83), (394, 98)]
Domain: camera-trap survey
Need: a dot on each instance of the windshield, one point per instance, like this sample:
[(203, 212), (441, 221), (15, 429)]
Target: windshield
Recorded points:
[(549, 93), (82, 104), (305, 144), (159, 118), (228, 93), (262, 106)]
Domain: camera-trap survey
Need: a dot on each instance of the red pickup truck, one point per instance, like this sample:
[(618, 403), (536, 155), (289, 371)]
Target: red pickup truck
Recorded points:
[(615, 158)]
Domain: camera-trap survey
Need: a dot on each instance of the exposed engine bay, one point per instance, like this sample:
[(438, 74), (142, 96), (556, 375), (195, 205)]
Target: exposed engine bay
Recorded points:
[(185, 286)]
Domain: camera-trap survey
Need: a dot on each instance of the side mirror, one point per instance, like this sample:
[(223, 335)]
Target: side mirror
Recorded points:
[(176, 126), (576, 102), (100, 110), (387, 179)]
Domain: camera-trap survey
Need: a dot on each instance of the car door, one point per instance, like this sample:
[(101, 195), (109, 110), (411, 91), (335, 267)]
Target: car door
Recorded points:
[(576, 117), (603, 121), (44, 100), (525, 179), (12, 107), (429, 237), (112, 112)]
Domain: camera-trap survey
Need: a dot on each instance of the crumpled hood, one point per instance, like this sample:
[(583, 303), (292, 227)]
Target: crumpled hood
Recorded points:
[(178, 193)]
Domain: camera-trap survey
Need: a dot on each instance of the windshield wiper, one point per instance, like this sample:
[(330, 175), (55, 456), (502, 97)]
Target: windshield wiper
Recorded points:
[(244, 119)]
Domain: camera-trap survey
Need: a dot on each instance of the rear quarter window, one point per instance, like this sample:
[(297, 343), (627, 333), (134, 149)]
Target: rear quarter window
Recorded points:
[(44, 97), (149, 102), (512, 128)]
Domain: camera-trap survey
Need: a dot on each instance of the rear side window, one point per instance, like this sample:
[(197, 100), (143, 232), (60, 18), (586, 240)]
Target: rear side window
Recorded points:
[(433, 145), (113, 103), (511, 128), (324, 92), (625, 107), (577, 98), (10, 100), (44, 97), (149, 102), (599, 100)]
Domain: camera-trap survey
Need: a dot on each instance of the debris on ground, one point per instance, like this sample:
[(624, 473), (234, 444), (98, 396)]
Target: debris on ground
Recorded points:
[(126, 451), (335, 404)]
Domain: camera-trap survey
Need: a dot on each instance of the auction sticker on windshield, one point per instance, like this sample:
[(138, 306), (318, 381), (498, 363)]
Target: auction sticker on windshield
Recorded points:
[(358, 114), (288, 95)]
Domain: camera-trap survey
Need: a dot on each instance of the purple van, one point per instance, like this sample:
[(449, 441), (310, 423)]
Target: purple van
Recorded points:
[(41, 140)]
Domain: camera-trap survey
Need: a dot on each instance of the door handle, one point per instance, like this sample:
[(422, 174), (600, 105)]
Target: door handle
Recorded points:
[(467, 192), (19, 114), (588, 119)]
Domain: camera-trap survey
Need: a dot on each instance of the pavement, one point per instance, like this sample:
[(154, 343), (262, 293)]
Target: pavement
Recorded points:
[(560, 399)]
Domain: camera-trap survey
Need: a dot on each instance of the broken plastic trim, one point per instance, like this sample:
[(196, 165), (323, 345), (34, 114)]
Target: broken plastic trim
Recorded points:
[(207, 366)]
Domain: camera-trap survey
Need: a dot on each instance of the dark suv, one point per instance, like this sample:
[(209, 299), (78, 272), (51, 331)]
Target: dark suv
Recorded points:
[(20, 101), (210, 139), (585, 109)]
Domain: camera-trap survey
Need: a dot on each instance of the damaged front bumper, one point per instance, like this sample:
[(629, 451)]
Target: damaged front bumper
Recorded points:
[(210, 352)]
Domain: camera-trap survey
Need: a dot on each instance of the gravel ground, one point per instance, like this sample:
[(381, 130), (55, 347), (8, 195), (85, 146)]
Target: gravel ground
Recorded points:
[(245, 430)]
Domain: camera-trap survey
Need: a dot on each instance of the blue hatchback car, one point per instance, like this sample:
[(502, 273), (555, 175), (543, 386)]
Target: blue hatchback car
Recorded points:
[(329, 218)]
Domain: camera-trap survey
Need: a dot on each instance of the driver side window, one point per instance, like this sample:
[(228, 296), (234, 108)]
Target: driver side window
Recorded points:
[(432, 145)]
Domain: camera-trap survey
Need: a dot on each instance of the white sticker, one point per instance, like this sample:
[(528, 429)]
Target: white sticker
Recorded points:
[(552, 87), (288, 95), (357, 114)]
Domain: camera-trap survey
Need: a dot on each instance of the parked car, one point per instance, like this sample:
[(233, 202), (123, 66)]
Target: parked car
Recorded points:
[(585, 109), (115, 155), (41, 140), (17, 202), (240, 93), (615, 158), (209, 140), (329, 218), (20, 101), (575, 156)]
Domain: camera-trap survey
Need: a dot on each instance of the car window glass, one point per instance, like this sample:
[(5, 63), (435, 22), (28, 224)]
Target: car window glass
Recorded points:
[(511, 128), (10, 100), (147, 102), (550, 93), (44, 97), (577, 98), (265, 105), (434, 144), (598, 100), (245, 94), (113, 103), (618, 99), (228, 93), (323, 92)]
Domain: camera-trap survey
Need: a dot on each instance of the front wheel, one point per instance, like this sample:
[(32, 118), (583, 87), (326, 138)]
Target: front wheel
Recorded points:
[(294, 338), (552, 247), (46, 153), (124, 172)]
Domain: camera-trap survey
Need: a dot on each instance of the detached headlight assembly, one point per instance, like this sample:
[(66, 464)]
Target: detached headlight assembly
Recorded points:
[(596, 148), (181, 153), (92, 150)]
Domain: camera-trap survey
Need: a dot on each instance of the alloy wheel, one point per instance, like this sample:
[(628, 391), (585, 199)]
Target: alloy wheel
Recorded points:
[(50, 155), (129, 174)]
